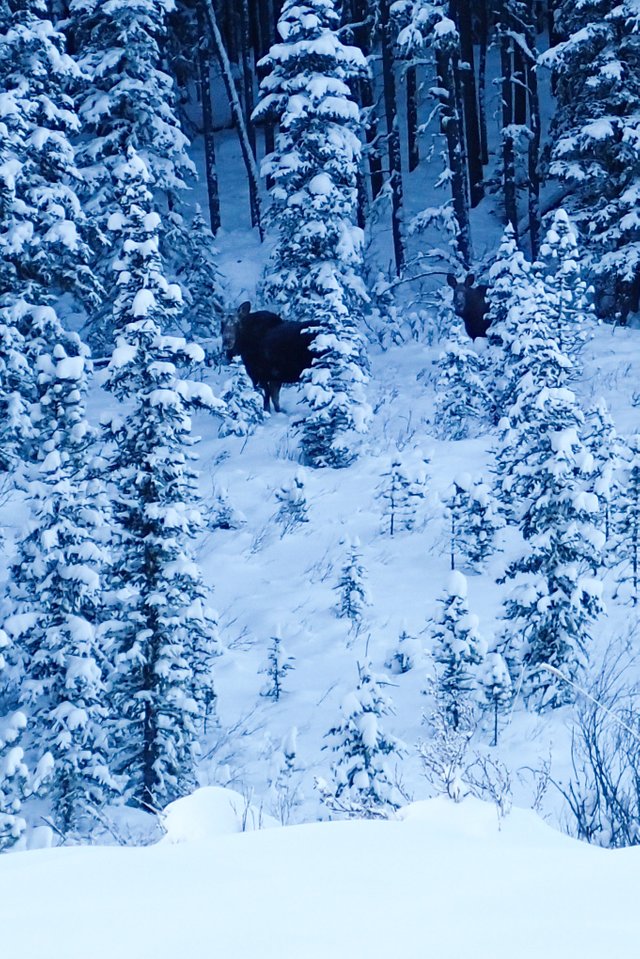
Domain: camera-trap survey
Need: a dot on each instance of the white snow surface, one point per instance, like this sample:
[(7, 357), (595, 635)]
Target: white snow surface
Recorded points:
[(447, 880)]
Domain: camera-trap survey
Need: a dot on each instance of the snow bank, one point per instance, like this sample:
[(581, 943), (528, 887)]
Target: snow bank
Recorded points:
[(444, 881)]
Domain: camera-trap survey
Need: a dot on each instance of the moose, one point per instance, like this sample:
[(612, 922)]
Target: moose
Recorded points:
[(274, 351), (470, 303)]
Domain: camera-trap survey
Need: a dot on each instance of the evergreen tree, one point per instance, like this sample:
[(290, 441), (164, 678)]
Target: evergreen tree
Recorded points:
[(42, 247), (126, 101), (402, 492), (222, 514), (562, 270), (457, 647), (165, 639), (498, 688), (481, 524), (243, 407), (284, 781), (294, 508), (463, 404), (353, 592), (315, 271), (56, 595), (627, 530), (557, 597), (594, 132), (13, 771), (362, 778), (407, 654), (609, 454), (201, 282), (279, 664)]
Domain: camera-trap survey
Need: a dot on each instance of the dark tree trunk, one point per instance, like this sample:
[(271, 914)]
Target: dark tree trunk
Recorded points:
[(266, 17), (482, 81), (393, 134), (534, 139), (411, 80), (446, 67), (364, 93), (211, 175), (470, 102)]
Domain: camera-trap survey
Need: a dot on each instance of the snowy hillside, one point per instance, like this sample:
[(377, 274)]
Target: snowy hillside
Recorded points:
[(447, 880)]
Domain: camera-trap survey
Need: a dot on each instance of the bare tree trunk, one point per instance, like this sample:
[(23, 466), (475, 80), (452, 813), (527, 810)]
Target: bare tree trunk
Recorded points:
[(211, 174), (236, 108), (393, 135), (470, 103)]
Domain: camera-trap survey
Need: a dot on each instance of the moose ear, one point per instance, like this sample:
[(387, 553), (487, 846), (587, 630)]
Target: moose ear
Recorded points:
[(244, 309), (452, 281), (470, 280)]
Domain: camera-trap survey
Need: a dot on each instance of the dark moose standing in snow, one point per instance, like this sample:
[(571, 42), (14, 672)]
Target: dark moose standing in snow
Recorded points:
[(274, 351), (470, 303)]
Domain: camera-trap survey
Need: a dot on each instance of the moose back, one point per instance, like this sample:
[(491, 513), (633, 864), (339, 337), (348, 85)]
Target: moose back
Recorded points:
[(274, 351)]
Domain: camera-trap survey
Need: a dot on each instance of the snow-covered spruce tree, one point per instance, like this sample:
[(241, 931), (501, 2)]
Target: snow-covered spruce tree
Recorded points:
[(457, 647), (164, 637), (497, 687), (363, 781), (315, 272), (627, 530), (556, 597), (201, 281), (221, 513), (463, 404), (125, 100), (594, 137), (482, 525), (473, 516), (402, 492), (294, 509), (278, 665), (407, 653), (610, 455), (562, 269), (353, 594), (536, 374), (42, 251), (56, 599), (243, 407), (13, 771), (284, 781)]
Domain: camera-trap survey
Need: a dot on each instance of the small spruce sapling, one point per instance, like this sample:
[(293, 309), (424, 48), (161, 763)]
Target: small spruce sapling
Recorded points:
[(284, 784), (402, 495), (498, 688), (463, 404), (363, 783), (407, 653), (294, 509), (278, 665), (353, 595), (457, 647)]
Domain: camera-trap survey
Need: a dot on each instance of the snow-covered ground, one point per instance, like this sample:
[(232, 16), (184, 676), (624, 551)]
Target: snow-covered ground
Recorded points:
[(448, 880)]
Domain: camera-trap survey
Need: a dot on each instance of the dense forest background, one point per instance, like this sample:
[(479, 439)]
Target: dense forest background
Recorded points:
[(333, 162)]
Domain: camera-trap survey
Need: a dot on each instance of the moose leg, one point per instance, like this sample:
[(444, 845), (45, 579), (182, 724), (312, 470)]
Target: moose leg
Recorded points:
[(274, 390), (266, 393)]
